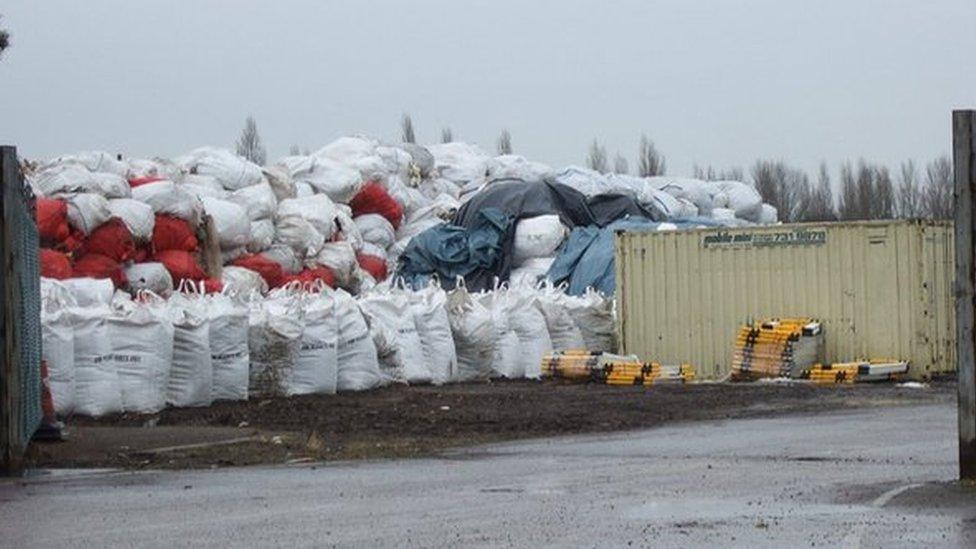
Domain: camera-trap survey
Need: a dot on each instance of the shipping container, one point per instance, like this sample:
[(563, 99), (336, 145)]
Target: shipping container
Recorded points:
[(883, 289)]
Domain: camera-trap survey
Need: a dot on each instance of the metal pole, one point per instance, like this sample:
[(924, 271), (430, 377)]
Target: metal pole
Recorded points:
[(964, 159)]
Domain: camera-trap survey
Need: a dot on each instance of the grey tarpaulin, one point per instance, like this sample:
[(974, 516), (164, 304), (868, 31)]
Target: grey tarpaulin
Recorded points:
[(609, 207), (521, 199), (448, 251)]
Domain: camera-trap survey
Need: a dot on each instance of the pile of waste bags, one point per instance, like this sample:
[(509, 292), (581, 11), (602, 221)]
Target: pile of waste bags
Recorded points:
[(109, 352)]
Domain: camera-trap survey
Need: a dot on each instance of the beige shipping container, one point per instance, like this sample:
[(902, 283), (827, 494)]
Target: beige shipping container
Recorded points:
[(882, 290)]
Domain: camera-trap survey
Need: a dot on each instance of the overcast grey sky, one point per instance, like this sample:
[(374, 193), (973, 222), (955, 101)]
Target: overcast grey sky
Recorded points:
[(711, 81)]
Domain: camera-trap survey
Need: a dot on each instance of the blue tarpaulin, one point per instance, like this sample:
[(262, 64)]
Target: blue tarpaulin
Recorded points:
[(448, 251)]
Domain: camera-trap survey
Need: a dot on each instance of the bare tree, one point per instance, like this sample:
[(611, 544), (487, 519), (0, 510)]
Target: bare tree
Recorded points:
[(847, 209), (447, 136), (707, 173), (597, 158), (909, 192), (820, 205), (406, 129), (505, 143), (620, 164), (4, 40), (882, 206), (785, 188), (249, 144), (865, 189), (649, 161), (294, 150), (937, 196)]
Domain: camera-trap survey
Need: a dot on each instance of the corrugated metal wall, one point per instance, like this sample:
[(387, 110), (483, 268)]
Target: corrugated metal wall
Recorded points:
[(882, 289)]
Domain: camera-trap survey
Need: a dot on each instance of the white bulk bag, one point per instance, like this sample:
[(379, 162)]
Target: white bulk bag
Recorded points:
[(191, 375), (93, 161), (204, 184), (303, 190), (723, 213), (241, 281), (153, 277), (769, 215), (593, 315), (262, 235), (201, 191), (563, 332), (229, 255), (538, 236), (230, 220), (274, 339), (459, 162), (280, 181), (346, 149), (315, 370), (347, 228), (166, 198), (505, 351), (228, 346), (317, 209), (359, 368), (90, 292), (474, 334), (58, 346), (744, 199), (258, 201), (530, 271), (434, 326), (63, 178), (232, 171), (284, 256), (298, 235), (110, 185), (513, 166), (341, 258), (156, 167), (698, 192), (137, 216), (389, 313), (142, 349), (376, 229), (87, 211), (329, 177), (97, 388), (529, 324)]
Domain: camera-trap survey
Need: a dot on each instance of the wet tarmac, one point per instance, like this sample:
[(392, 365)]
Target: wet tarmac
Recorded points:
[(875, 477)]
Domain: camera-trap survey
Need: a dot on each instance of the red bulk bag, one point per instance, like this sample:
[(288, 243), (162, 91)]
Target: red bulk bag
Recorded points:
[(99, 266), (111, 239), (143, 253), (172, 233), (181, 265), (52, 220), (55, 264), (270, 271), (213, 286), (375, 266), (144, 180), (373, 199)]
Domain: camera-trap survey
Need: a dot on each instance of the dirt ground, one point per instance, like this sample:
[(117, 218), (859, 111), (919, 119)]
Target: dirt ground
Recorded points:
[(419, 421)]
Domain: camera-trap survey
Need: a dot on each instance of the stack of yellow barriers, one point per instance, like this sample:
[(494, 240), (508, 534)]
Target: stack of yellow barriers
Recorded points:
[(579, 365), (863, 371), (786, 347)]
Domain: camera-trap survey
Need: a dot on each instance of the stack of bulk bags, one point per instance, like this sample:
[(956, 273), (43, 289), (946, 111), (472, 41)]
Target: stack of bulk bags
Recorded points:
[(388, 311), (429, 307), (564, 334), (58, 350), (191, 374), (358, 363), (328, 177), (593, 314), (228, 335), (97, 386), (142, 348), (473, 332), (230, 170), (536, 241)]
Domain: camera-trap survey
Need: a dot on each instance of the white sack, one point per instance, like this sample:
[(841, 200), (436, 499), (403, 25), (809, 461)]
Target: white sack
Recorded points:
[(743, 199), (564, 334), (389, 313), (232, 171), (326, 176), (94, 161), (459, 162), (97, 387), (274, 339), (318, 210), (593, 315), (166, 198), (298, 235), (137, 216), (142, 349), (258, 201), (315, 370), (529, 325), (241, 281), (228, 325), (434, 326), (359, 368), (280, 181), (284, 256), (769, 215), (58, 348), (341, 258), (474, 335), (530, 271), (153, 277), (348, 228), (538, 236), (62, 178), (191, 375), (262, 235), (505, 360), (230, 221), (90, 292), (376, 229), (229, 255), (303, 190), (87, 211)]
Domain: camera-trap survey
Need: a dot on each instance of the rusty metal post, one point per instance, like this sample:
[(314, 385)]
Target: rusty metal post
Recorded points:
[(964, 160)]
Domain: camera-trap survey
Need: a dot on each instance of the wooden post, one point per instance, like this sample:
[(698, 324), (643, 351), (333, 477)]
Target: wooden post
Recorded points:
[(964, 159)]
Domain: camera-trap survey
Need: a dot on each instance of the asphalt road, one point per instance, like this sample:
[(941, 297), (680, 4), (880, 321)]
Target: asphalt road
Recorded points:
[(876, 477)]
